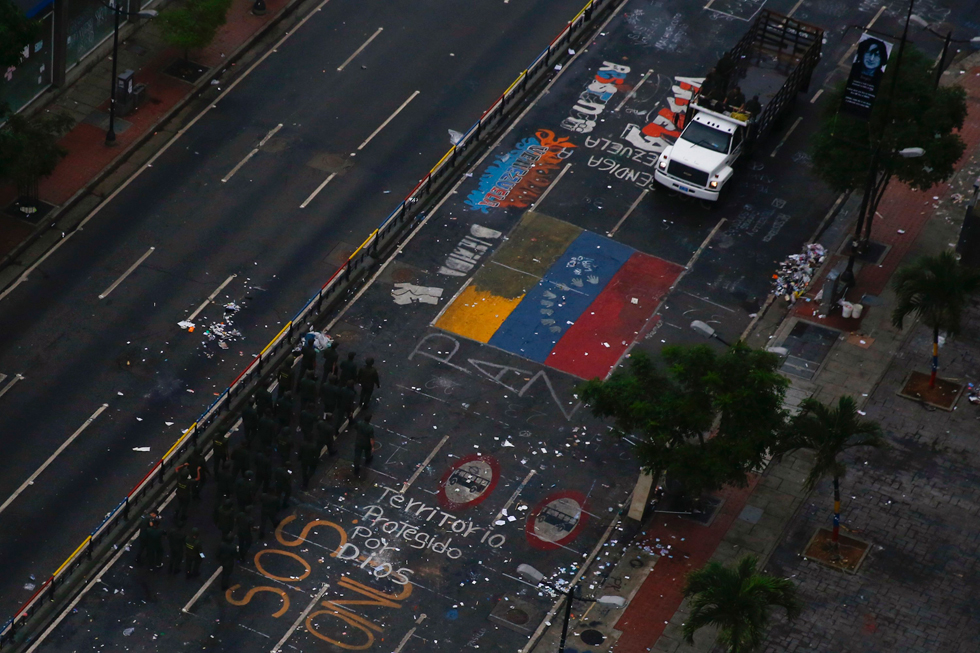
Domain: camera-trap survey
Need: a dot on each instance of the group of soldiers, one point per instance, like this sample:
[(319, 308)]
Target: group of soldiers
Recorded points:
[(258, 471)]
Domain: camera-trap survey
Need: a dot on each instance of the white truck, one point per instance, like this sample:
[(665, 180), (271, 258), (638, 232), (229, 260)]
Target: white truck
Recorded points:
[(774, 61)]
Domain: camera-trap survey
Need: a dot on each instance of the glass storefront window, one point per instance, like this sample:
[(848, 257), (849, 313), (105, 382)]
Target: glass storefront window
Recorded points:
[(21, 84), (89, 23)]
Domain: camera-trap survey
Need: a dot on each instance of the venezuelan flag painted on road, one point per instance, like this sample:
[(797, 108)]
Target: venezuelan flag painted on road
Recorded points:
[(555, 294)]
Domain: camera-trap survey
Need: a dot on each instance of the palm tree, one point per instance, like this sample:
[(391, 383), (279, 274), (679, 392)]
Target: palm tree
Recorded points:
[(738, 601), (934, 289), (829, 432)]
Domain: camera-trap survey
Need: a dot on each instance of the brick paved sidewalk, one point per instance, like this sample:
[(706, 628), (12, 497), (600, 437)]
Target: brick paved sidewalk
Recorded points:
[(89, 160)]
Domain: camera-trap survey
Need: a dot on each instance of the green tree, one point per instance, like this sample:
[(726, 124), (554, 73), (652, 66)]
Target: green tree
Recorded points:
[(29, 150), (917, 115), (738, 601), (706, 420), (17, 31), (194, 24), (828, 433), (935, 289)]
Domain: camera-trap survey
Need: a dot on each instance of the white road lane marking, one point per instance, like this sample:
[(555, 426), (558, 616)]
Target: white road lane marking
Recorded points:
[(358, 51), (635, 203), (793, 10), (425, 463), (385, 123), (183, 130), (190, 318), (105, 293), (204, 587), (265, 140), (299, 620), (845, 60), (317, 191), (550, 186), (788, 133), (411, 632), (513, 497), (633, 92), (50, 460), (816, 95), (11, 384)]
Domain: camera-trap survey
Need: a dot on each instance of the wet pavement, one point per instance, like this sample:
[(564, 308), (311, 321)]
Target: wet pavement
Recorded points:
[(485, 460)]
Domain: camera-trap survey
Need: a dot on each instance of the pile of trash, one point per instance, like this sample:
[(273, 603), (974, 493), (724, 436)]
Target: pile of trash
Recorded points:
[(793, 277), (224, 331), (973, 394)]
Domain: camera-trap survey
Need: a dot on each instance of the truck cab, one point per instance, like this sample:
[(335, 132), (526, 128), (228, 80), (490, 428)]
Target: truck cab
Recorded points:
[(700, 162), (771, 63)]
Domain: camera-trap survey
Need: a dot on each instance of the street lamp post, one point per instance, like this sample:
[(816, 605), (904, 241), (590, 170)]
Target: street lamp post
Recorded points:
[(532, 574), (110, 135)]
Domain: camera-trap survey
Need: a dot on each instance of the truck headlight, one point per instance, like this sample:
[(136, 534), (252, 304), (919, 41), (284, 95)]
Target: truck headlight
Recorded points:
[(713, 184), (662, 164)]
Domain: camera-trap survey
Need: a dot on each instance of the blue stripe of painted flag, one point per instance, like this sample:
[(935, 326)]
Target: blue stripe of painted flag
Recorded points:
[(530, 331)]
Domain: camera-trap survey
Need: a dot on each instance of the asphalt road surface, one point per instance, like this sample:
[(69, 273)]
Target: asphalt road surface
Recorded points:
[(483, 325), (437, 64), (502, 390)]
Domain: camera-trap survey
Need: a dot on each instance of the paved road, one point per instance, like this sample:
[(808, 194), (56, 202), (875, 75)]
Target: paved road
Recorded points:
[(500, 390), (78, 352)]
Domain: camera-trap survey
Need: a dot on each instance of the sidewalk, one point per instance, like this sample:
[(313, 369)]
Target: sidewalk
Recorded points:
[(85, 175), (871, 368)]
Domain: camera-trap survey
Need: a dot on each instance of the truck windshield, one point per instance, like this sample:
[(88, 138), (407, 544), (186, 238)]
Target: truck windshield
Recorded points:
[(708, 137)]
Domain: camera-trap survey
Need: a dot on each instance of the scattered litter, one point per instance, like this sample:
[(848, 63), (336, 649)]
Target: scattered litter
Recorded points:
[(795, 273), (557, 66), (144, 449), (184, 324), (455, 137), (972, 394), (169, 423), (30, 586), (508, 443), (129, 631), (901, 231), (634, 300)]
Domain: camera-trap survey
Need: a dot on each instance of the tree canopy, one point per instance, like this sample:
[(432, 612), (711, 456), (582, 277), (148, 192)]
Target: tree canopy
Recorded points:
[(706, 419), (194, 24), (737, 600), (29, 148), (919, 115), (17, 31)]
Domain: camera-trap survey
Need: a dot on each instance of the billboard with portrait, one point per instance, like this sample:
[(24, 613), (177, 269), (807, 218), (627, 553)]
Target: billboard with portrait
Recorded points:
[(866, 73)]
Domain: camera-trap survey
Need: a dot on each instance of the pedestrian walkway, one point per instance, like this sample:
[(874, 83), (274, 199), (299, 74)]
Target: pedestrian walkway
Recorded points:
[(85, 174)]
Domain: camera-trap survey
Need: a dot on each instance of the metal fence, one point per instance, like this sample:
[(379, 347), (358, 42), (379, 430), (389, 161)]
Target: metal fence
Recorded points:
[(381, 239)]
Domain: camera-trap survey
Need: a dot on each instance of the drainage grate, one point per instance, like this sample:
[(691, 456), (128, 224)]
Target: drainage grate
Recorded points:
[(807, 346)]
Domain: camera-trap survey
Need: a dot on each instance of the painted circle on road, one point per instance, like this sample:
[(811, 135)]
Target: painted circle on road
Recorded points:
[(556, 520), (469, 481)]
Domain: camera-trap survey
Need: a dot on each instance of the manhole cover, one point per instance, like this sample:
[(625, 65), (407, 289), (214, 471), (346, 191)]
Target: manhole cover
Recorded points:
[(592, 637), (517, 616)]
